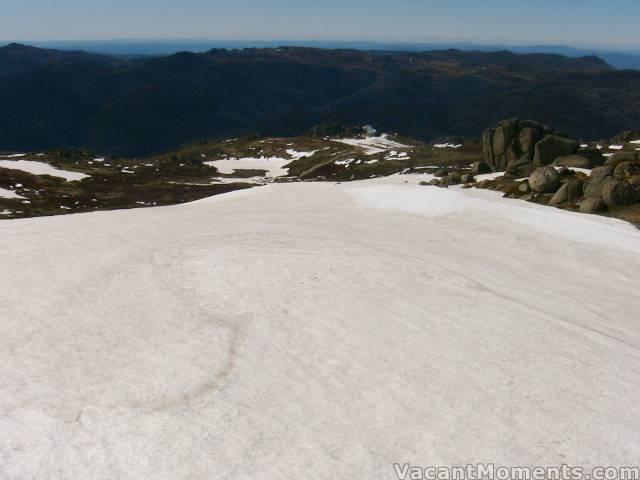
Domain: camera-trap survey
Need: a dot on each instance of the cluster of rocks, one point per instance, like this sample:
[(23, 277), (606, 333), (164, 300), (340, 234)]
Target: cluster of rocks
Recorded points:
[(546, 166), (547, 158), (616, 184), (448, 177), (626, 136), (518, 147)]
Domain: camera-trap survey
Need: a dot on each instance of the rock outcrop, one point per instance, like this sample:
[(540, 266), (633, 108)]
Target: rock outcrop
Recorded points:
[(524, 141), (626, 136), (547, 167)]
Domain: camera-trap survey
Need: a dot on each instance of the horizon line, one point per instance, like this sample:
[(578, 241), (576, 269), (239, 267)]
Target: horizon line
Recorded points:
[(283, 42)]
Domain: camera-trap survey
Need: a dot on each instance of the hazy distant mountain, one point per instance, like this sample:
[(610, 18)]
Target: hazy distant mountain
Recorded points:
[(620, 58), (143, 105)]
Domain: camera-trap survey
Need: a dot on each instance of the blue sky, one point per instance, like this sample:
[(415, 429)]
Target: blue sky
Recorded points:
[(575, 22)]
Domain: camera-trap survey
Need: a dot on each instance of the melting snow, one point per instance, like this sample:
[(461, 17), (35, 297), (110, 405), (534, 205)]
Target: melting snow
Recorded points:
[(489, 176), (447, 145), (372, 145), (344, 162), (272, 165), (41, 168), (313, 330), (5, 193), (295, 155)]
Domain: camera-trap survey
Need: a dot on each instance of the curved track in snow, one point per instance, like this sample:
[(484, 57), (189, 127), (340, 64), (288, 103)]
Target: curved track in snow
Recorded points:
[(317, 331)]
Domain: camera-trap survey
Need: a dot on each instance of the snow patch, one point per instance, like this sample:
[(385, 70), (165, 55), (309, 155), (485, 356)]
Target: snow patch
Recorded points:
[(447, 145), (296, 155), (41, 168), (9, 194), (344, 162), (372, 145), (274, 166), (489, 176)]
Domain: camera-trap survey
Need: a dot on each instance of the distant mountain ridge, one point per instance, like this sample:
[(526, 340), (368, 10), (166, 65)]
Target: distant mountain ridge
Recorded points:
[(138, 106), (622, 58)]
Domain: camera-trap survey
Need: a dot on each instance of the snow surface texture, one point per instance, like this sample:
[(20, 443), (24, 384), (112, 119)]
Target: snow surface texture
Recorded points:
[(314, 330), (373, 145), (41, 168)]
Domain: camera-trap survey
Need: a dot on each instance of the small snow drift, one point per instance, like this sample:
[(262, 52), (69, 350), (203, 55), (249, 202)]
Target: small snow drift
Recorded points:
[(6, 193), (373, 145), (296, 155), (488, 176), (41, 168), (272, 165), (447, 145), (317, 330)]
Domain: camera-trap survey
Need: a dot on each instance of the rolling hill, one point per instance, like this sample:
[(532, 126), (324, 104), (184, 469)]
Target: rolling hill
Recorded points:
[(129, 106)]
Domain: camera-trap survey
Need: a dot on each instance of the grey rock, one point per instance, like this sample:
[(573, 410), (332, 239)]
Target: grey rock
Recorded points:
[(514, 165), (529, 136), (501, 144), (593, 154), (592, 205), (452, 178), (467, 178), (570, 191), (479, 168), (552, 147), (544, 180), (594, 187), (524, 187), (602, 172), (487, 148), (620, 157), (526, 169), (441, 173), (617, 192), (627, 169)]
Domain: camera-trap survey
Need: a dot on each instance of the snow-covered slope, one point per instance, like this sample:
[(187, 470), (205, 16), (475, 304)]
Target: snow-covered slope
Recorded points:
[(313, 330)]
